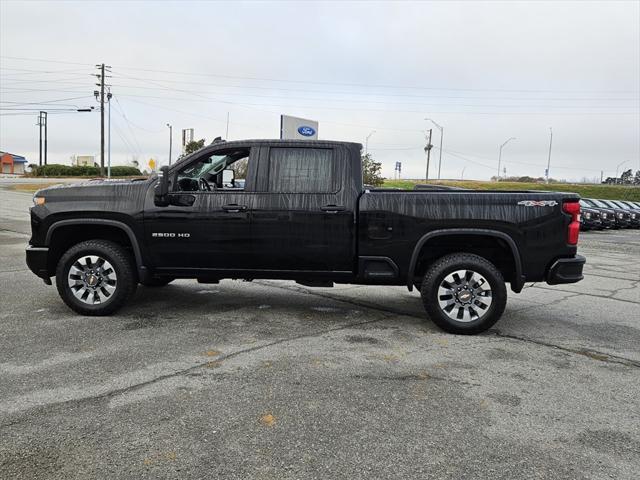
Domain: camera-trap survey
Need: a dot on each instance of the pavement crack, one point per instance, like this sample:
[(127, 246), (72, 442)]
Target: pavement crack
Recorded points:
[(593, 354), (607, 297), (373, 306), (413, 377), (190, 370)]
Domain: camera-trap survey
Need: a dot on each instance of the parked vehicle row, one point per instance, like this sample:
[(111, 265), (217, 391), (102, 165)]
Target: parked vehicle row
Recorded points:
[(600, 214)]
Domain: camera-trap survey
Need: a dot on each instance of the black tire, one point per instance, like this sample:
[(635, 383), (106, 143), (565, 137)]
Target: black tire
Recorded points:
[(157, 282), (122, 273), (447, 266)]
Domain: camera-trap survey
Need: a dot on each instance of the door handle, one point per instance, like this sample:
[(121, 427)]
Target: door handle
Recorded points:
[(332, 208), (233, 208)]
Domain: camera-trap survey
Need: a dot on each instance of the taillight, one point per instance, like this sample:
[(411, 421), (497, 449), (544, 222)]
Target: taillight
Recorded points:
[(573, 209)]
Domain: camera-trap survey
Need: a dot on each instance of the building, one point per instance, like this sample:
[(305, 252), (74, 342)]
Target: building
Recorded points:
[(83, 160), (12, 163)]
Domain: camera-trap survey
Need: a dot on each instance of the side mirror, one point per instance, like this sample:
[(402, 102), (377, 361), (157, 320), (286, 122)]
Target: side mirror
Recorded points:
[(161, 198), (228, 176)]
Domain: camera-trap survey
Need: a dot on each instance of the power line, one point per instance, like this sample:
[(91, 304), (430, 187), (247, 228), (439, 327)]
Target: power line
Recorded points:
[(45, 60), (317, 82)]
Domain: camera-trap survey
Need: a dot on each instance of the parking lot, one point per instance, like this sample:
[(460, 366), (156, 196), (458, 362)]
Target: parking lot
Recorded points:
[(270, 379)]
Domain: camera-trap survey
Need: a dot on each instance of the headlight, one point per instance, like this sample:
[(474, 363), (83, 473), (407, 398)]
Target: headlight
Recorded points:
[(587, 215), (38, 200), (633, 215), (620, 215), (604, 215)]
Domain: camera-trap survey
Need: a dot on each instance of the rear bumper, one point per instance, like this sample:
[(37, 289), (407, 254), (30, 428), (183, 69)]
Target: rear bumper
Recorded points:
[(37, 260), (566, 270)]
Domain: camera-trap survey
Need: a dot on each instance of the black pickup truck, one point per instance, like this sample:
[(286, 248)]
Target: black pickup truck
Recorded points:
[(301, 213)]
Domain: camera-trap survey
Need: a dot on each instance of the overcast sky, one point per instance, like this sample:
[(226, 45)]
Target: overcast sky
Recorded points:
[(486, 71)]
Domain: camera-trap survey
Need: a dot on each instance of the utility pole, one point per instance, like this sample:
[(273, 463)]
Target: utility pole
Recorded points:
[(40, 122), (500, 155), (549, 160), (428, 150), (170, 141), (226, 136), (441, 128), (101, 76), (45, 136), (109, 145)]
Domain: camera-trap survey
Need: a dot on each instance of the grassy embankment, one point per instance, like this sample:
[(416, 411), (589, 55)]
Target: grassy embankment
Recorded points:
[(609, 192)]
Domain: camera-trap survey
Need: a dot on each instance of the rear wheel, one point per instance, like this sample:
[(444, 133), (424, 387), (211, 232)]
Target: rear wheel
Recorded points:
[(464, 293), (95, 277)]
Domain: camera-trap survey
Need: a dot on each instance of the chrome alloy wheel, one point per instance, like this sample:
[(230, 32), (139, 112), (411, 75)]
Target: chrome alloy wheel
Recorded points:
[(92, 279), (464, 295)]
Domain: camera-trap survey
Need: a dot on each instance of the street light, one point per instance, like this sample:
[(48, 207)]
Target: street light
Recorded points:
[(170, 141), (500, 155), (441, 135), (366, 143)]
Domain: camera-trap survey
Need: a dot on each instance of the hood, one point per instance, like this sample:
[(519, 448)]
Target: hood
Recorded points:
[(91, 188)]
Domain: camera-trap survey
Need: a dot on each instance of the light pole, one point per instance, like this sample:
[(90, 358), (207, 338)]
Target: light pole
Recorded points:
[(500, 155), (549, 160), (170, 141), (366, 143), (441, 135)]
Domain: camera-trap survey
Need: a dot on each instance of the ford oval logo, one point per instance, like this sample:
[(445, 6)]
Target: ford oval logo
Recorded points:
[(306, 131)]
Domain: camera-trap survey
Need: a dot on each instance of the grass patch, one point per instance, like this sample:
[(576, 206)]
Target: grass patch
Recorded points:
[(608, 192)]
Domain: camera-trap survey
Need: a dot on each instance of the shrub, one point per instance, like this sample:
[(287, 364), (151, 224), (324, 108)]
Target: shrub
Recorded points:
[(57, 170)]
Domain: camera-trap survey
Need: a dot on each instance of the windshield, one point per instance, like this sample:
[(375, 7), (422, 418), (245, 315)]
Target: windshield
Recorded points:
[(583, 203), (607, 203), (622, 205), (597, 203)]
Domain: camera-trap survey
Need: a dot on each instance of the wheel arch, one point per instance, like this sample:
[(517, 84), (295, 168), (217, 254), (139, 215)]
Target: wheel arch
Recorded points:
[(517, 281), (114, 229)]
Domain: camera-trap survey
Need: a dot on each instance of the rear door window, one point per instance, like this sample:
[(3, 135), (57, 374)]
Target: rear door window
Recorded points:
[(302, 170)]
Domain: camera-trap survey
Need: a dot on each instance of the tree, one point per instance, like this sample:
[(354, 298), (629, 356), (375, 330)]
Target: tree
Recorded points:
[(193, 146), (626, 177), (371, 171), (636, 179), (240, 168)]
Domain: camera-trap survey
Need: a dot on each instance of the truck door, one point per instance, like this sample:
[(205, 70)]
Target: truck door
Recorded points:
[(208, 224), (303, 215)]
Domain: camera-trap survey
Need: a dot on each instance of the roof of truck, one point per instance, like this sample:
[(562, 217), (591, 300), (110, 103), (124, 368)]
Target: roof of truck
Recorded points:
[(283, 141)]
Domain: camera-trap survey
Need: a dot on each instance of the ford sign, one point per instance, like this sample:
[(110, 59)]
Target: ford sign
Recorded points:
[(306, 131)]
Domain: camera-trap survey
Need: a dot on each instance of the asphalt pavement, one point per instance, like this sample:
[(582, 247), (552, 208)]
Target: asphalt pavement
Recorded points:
[(270, 379)]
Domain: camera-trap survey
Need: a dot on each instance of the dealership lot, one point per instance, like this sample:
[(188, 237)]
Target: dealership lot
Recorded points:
[(274, 380)]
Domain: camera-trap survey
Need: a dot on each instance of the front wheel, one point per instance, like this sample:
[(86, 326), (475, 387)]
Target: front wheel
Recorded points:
[(464, 293), (96, 277)]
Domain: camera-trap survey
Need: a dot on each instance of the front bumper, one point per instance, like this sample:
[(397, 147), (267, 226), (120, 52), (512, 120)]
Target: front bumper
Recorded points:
[(566, 270), (37, 261)]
